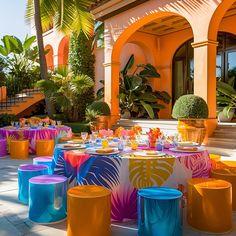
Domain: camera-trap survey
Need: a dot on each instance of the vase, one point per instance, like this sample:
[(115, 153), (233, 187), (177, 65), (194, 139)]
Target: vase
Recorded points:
[(152, 143)]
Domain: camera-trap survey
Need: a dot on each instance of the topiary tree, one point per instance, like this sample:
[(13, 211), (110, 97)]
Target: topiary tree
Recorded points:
[(81, 60), (190, 107), (100, 107)]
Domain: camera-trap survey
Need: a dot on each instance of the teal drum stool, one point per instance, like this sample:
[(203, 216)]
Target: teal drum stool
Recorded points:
[(159, 212), (47, 199), (44, 160), (25, 172)]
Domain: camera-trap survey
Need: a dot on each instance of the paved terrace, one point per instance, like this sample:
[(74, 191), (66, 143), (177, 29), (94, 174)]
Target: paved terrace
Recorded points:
[(13, 215)]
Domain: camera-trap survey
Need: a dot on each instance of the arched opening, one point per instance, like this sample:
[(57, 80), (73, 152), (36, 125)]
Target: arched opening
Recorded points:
[(157, 40), (49, 57), (63, 51)]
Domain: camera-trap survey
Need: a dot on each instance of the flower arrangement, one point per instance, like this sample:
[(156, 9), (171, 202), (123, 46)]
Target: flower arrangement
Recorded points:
[(34, 121), (153, 135), (106, 133), (136, 129)]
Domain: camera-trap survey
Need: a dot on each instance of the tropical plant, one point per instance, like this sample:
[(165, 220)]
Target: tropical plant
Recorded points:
[(20, 62), (5, 119), (226, 96), (91, 115), (98, 38), (65, 90), (190, 107), (100, 107), (136, 95), (81, 59)]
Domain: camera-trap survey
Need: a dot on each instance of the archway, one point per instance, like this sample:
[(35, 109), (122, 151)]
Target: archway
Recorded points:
[(63, 51), (161, 33), (49, 57)]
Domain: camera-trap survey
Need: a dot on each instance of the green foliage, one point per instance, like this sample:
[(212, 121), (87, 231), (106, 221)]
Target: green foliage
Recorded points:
[(100, 107), (98, 38), (20, 61), (78, 127), (190, 107), (5, 119), (136, 95), (226, 96), (66, 90), (91, 114), (81, 61)]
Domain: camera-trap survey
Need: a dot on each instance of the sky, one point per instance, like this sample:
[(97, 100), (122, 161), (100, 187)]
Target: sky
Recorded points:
[(12, 18)]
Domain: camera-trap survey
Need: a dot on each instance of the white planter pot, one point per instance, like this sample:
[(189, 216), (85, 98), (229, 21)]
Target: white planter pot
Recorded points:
[(223, 118)]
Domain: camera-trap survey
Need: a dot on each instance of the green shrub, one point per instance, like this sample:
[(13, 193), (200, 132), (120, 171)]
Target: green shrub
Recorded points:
[(5, 119), (190, 106), (101, 107), (77, 128)]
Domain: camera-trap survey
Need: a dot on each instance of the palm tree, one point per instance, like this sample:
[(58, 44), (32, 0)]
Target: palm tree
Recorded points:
[(66, 15)]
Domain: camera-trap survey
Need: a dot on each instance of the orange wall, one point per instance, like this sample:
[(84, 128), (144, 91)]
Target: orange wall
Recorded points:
[(63, 51), (49, 56)]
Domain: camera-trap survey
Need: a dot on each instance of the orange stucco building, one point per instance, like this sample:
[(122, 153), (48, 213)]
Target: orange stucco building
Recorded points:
[(190, 42)]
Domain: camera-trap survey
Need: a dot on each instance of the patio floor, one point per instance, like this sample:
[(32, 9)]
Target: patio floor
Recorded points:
[(13, 215)]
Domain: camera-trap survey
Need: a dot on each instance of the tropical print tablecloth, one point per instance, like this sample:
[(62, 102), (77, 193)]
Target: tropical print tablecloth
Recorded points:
[(32, 134), (125, 174)]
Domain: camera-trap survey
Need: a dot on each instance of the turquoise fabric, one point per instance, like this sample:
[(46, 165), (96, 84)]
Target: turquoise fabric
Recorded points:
[(159, 212)]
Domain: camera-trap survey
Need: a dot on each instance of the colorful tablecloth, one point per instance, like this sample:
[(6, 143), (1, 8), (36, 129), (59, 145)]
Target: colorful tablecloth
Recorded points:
[(125, 174), (32, 135)]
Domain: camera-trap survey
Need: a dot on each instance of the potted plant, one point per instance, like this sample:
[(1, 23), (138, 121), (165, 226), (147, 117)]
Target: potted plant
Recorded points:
[(191, 112), (226, 100), (91, 116), (102, 112)]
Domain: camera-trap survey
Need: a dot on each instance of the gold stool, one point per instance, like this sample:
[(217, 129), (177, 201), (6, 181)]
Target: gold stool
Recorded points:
[(209, 205), (230, 176), (19, 149), (214, 159), (44, 147), (89, 211)]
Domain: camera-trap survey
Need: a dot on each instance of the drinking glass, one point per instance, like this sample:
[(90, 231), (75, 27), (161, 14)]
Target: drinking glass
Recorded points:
[(84, 136), (58, 122), (12, 123)]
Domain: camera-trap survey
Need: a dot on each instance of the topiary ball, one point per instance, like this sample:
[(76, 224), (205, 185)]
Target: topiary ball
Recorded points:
[(190, 107), (101, 107)]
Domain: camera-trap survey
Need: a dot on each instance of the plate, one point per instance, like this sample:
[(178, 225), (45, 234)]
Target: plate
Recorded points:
[(188, 144), (200, 149), (93, 152), (71, 146), (144, 154)]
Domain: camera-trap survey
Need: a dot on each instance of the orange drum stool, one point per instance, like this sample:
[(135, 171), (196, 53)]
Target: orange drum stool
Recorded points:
[(230, 176), (19, 149), (44, 147), (209, 206), (88, 211), (215, 158)]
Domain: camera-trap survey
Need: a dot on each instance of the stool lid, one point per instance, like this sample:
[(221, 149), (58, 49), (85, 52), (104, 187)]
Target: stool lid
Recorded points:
[(32, 167), (228, 172), (48, 179), (43, 158), (209, 183), (88, 191), (160, 193)]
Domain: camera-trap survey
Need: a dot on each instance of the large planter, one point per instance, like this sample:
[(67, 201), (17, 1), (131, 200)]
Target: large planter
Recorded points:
[(192, 130), (101, 122), (223, 118)]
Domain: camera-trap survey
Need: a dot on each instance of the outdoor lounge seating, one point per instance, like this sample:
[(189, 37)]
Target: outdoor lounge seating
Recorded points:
[(25, 172), (159, 212), (19, 149), (89, 210), (47, 199), (209, 206), (44, 160), (44, 147)]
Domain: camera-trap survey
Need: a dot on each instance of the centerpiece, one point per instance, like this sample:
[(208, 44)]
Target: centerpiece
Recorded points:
[(153, 135)]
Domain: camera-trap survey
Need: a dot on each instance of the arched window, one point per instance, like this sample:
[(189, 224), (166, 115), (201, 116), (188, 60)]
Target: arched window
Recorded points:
[(183, 64)]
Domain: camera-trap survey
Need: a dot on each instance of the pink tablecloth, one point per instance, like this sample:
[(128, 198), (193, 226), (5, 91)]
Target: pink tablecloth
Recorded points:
[(33, 134)]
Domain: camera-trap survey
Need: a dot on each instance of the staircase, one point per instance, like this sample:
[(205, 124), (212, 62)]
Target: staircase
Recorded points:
[(21, 101), (223, 140)]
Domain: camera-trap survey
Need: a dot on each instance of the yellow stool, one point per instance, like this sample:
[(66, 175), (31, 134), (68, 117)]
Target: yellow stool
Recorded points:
[(89, 211), (19, 149), (230, 176), (44, 147), (209, 205)]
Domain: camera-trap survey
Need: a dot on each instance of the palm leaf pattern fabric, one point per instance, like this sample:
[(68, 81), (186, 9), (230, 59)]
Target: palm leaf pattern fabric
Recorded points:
[(100, 170), (147, 173)]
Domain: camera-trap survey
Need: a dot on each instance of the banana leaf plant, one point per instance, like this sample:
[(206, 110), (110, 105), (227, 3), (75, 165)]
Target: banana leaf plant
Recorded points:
[(136, 95), (226, 96)]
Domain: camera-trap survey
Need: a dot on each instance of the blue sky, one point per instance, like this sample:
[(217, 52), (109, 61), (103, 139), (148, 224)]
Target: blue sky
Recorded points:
[(12, 18)]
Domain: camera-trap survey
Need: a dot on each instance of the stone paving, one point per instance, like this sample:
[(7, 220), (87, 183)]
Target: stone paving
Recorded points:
[(13, 215)]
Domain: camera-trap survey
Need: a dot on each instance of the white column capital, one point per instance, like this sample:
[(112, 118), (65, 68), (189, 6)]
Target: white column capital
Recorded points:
[(204, 43)]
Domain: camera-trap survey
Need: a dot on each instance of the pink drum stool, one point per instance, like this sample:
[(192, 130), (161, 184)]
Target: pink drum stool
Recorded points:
[(3, 147)]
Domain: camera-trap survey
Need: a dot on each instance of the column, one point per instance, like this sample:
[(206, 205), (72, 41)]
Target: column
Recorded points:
[(205, 77)]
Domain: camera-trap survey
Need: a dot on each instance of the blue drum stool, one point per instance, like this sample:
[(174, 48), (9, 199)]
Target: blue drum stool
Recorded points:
[(47, 199), (44, 160), (159, 212), (25, 172)]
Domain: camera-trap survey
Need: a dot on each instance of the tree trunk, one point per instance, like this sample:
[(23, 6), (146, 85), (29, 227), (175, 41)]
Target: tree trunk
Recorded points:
[(42, 59)]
